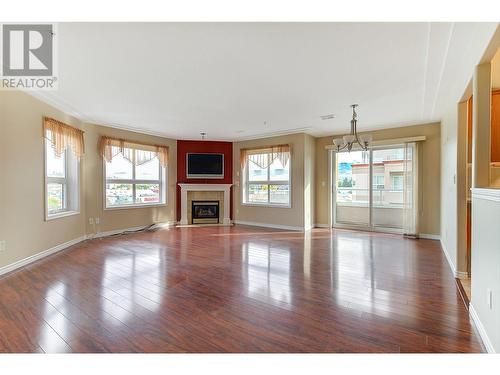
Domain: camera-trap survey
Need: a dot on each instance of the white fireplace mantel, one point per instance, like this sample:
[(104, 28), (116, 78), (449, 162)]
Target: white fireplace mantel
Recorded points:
[(226, 188)]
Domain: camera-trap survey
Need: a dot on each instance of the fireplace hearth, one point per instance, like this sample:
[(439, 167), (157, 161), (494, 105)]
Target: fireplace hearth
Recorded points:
[(204, 212)]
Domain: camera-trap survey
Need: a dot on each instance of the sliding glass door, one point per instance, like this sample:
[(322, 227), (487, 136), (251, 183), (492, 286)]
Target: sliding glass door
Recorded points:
[(352, 193), (375, 189)]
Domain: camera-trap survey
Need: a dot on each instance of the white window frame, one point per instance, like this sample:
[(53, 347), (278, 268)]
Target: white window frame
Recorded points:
[(163, 174), (399, 176), (375, 182), (71, 184), (268, 181)]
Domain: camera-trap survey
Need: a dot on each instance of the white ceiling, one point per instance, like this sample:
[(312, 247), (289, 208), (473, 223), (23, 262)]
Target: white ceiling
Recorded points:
[(243, 80)]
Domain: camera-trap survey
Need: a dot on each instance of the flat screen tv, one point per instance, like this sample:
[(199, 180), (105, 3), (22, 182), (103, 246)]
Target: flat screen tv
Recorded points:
[(205, 165)]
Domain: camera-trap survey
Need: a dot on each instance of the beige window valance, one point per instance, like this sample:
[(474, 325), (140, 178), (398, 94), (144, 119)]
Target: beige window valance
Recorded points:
[(62, 135), (110, 147), (263, 157)]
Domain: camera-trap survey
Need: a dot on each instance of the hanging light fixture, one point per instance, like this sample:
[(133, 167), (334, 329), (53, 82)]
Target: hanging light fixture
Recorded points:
[(347, 141)]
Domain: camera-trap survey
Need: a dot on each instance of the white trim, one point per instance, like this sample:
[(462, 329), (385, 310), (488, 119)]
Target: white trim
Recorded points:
[(318, 225), (71, 183), (162, 183), (246, 182), (456, 274), (429, 236), (33, 258), (61, 215), (482, 331), (226, 188), (135, 205), (486, 194), (114, 232), (272, 134), (203, 225), (447, 256), (132, 229), (268, 205), (24, 262), (267, 225)]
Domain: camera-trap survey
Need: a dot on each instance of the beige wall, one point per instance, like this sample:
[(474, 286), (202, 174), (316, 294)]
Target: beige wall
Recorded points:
[(21, 117), (116, 219), (429, 178), (290, 217), (22, 210)]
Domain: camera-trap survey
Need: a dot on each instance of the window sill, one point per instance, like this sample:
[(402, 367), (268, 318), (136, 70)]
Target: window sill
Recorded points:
[(268, 205), (61, 215), (131, 206)]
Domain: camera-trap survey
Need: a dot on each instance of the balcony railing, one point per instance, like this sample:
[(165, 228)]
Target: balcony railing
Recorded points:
[(386, 198)]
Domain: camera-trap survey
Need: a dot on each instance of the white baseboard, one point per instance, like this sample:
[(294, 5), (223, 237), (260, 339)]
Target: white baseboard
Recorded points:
[(114, 232), (321, 226), (24, 262), (448, 259), (430, 236), (456, 274), (266, 225), (482, 331), (108, 233)]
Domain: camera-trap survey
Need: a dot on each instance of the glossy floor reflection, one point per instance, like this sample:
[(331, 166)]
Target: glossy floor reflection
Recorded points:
[(237, 289)]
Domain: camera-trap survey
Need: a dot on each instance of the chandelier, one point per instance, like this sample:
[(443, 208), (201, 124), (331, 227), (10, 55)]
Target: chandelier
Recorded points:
[(347, 141)]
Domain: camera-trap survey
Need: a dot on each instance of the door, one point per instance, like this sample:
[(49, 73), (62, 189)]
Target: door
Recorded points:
[(352, 189), (375, 189)]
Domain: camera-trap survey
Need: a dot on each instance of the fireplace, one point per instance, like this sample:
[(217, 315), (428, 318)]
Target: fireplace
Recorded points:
[(204, 212)]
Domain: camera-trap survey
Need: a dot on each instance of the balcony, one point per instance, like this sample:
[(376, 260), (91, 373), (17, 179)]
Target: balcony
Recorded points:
[(353, 207)]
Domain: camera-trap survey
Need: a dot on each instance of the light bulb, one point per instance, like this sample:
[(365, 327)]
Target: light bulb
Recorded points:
[(349, 138), (338, 142), (366, 139)]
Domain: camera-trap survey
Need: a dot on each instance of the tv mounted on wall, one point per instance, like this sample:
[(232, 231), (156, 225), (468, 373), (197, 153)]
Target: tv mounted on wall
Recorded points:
[(200, 165)]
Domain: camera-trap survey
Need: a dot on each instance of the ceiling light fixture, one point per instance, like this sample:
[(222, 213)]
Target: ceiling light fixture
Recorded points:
[(347, 141)]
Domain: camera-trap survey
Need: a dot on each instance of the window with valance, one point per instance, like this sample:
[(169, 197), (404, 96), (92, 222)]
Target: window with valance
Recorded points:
[(135, 173), (266, 175), (64, 146)]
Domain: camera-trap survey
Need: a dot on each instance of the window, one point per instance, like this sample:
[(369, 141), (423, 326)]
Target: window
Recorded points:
[(61, 182), (397, 182), (267, 180), (379, 182), (134, 181)]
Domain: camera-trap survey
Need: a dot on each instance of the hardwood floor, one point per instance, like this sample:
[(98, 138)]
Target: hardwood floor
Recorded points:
[(237, 289)]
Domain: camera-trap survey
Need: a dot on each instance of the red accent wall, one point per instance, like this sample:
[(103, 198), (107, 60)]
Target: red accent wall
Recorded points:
[(184, 147)]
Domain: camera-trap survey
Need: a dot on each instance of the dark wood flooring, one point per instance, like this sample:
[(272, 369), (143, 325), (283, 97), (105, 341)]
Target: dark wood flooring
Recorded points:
[(237, 289)]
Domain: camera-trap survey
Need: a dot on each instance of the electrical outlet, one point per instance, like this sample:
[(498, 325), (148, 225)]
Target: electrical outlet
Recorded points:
[(2, 246), (97, 220), (489, 298), (91, 220)]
